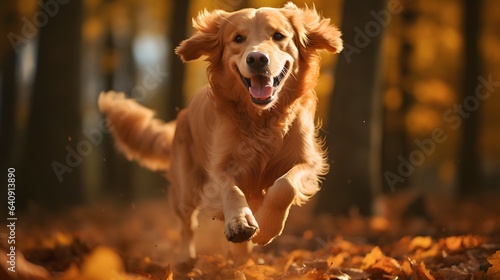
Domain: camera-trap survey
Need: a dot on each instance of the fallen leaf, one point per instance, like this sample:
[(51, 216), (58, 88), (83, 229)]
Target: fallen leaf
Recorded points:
[(425, 254), (355, 274), (342, 276), (337, 260), (372, 257), (210, 262), (472, 241), (494, 270), (159, 273), (296, 255), (386, 266), (102, 263), (339, 243), (23, 268), (230, 274), (259, 272), (337, 274), (400, 249), (66, 251), (311, 275), (420, 242), (420, 272), (455, 244), (407, 267), (454, 273)]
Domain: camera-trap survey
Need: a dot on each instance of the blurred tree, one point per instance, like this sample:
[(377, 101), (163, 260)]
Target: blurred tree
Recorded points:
[(175, 97), (469, 163), (395, 137), (8, 89), (54, 131), (177, 70), (354, 130), (233, 5), (118, 69), (8, 103)]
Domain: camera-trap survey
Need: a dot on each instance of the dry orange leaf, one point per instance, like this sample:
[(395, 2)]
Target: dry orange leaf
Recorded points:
[(344, 245), (423, 254), (230, 273), (423, 242), (494, 270), (458, 243), (453, 243), (386, 266), (472, 241), (407, 267), (420, 272), (102, 263), (294, 255), (259, 272), (372, 257), (337, 260)]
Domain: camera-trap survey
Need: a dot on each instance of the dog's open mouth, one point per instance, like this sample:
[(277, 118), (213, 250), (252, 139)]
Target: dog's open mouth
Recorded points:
[(263, 88)]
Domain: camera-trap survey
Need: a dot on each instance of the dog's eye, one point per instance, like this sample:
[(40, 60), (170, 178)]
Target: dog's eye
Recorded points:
[(238, 39), (278, 36)]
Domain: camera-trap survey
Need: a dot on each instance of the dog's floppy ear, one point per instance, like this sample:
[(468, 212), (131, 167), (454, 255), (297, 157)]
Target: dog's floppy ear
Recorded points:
[(206, 40), (313, 30)]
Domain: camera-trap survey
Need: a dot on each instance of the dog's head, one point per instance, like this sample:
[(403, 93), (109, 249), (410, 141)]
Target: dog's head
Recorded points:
[(256, 53)]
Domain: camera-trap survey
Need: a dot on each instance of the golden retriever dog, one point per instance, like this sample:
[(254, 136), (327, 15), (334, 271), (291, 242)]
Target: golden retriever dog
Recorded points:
[(246, 147)]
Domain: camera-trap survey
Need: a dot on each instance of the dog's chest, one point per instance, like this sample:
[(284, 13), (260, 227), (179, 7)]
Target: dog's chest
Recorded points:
[(258, 160)]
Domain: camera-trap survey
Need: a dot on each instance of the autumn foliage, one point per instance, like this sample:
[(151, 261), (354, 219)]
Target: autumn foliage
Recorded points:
[(139, 242)]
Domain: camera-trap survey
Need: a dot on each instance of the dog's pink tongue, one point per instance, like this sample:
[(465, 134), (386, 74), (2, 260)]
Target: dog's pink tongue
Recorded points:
[(262, 87)]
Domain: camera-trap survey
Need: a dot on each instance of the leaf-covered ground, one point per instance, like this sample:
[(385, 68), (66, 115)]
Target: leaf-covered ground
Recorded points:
[(448, 239)]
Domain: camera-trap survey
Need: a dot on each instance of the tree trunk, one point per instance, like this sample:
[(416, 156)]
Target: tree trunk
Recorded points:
[(8, 87), (469, 164), (395, 136), (8, 102), (55, 146), (177, 70), (118, 171), (354, 127)]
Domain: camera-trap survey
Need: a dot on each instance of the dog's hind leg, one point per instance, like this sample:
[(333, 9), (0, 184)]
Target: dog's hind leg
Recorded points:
[(189, 220), (186, 179)]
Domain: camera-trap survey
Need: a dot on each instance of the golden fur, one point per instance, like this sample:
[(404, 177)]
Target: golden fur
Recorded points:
[(246, 147)]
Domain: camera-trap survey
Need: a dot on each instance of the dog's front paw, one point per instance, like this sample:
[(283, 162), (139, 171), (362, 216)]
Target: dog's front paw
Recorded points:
[(241, 227), (272, 224)]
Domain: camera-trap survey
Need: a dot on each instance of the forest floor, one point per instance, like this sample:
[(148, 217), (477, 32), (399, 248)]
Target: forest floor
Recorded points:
[(428, 239)]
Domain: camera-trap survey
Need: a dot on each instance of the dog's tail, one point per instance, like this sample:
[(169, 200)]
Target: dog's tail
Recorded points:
[(138, 134)]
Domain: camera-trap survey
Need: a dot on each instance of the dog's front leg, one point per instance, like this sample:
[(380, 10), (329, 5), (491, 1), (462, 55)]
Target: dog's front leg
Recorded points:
[(240, 224), (286, 190)]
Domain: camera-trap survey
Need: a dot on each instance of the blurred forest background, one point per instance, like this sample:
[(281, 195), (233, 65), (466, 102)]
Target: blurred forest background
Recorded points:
[(410, 106)]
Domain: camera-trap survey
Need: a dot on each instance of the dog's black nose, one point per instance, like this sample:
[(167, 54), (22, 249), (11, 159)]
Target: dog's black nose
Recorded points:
[(257, 60)]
